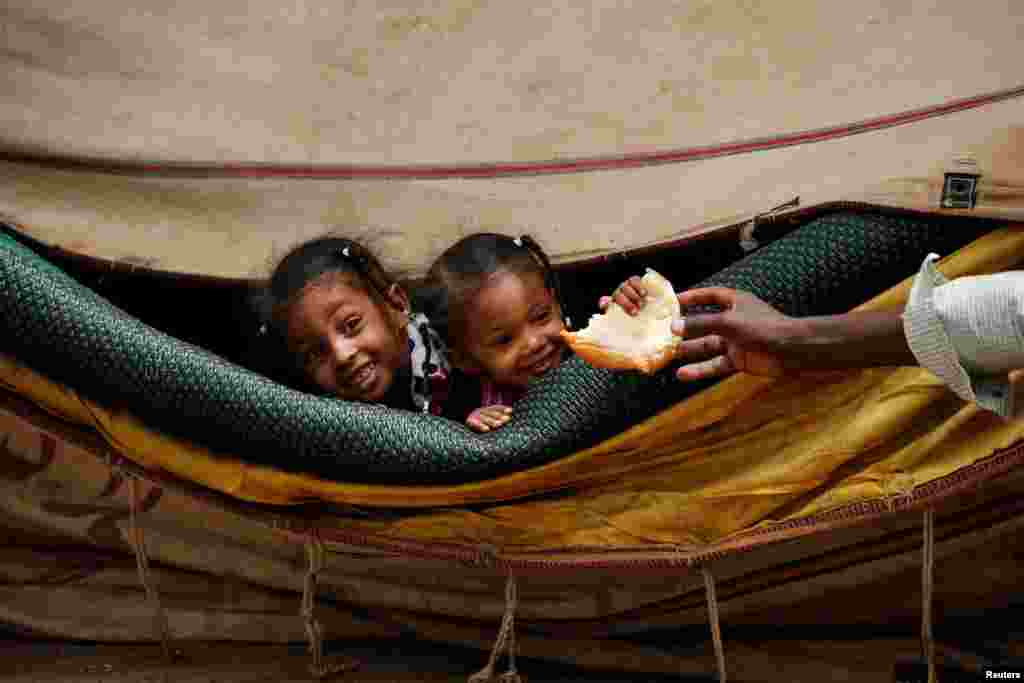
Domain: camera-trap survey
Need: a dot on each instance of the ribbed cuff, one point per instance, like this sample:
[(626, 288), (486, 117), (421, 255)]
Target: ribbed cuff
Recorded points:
[(933, 349)]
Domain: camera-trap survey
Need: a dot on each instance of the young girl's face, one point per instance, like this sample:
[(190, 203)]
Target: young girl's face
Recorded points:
[(349, 343), (511, 329)]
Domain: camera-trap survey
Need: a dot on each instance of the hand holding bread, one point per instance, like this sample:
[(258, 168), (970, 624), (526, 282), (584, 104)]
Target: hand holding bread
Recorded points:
[(634, 332), (642, 329)]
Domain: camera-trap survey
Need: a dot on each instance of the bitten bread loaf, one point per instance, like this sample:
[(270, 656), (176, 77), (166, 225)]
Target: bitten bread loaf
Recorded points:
[(619, 341)]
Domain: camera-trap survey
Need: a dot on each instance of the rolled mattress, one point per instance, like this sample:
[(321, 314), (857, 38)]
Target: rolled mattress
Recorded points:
[(69, 333)]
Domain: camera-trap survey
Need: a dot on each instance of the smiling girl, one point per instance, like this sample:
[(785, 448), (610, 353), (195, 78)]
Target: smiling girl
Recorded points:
[(494, 300), (349, 328)]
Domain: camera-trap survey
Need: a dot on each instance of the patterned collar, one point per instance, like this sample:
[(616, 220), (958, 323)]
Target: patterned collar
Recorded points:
[(430, 367)]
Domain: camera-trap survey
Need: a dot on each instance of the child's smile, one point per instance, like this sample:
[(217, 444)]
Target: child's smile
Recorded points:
[(546, 362), (363, 377)]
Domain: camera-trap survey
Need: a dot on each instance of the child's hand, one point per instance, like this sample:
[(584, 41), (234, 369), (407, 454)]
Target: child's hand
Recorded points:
[(630, 296), (489, 417)]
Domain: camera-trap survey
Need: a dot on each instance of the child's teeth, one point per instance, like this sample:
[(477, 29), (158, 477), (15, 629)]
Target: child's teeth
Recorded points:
[(363, 374)]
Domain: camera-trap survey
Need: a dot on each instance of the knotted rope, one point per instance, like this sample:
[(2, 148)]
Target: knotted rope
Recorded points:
[(716, 631), (314, 632), (927, 569), (505, 634), (138, 543)]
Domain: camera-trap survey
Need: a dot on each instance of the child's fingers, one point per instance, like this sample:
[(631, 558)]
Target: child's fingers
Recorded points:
[(497, 409), (488, 418), (496, 416), (625, 302), (630, 295), (634, 289)]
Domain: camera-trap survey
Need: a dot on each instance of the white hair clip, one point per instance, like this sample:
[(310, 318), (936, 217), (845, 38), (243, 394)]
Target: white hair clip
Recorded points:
[(263, 329), (518, 241), (344, 252)]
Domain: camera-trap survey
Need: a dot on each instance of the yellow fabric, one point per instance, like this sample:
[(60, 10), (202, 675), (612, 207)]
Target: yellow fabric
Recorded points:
[(713, 465)]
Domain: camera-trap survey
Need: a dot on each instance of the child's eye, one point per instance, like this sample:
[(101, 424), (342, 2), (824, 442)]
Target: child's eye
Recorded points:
[(501, 340), (542, 316), (352, 325)]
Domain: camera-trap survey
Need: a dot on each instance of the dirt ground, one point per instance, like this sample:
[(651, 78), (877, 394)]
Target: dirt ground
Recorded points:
[(383, 662)]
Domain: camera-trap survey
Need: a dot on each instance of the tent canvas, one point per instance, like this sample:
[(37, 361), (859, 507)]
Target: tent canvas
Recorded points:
[(466, 83)]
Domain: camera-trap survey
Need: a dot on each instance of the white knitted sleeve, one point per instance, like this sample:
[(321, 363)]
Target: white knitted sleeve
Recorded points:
[(969, 332)]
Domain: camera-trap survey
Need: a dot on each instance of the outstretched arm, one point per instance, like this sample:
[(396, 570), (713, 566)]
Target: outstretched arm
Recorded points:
[(751, 336)]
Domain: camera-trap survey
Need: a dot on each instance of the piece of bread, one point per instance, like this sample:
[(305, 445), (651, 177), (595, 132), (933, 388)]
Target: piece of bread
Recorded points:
[(619, 341)]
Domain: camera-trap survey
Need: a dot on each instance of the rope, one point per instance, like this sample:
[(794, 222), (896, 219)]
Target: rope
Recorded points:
[(716, 631), (927, 585), (512, 599), (314, 632), (314, 563), (505, 634), (142, 562), (498, 169)]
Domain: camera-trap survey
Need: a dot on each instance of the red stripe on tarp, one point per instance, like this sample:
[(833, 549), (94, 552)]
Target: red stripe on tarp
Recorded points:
[(495, 169)]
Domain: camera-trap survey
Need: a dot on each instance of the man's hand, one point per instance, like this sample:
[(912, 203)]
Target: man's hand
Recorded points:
[(748, 336)]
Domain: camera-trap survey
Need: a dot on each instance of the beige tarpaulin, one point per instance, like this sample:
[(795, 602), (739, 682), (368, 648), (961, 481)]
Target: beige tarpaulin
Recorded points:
[(472, 82)]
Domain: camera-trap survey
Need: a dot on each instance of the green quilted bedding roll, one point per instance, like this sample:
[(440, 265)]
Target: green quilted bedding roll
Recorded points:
[(71, 334)]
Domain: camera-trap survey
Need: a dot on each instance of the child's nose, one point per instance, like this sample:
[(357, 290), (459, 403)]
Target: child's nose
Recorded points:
[(344, 350), (535, 341)]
